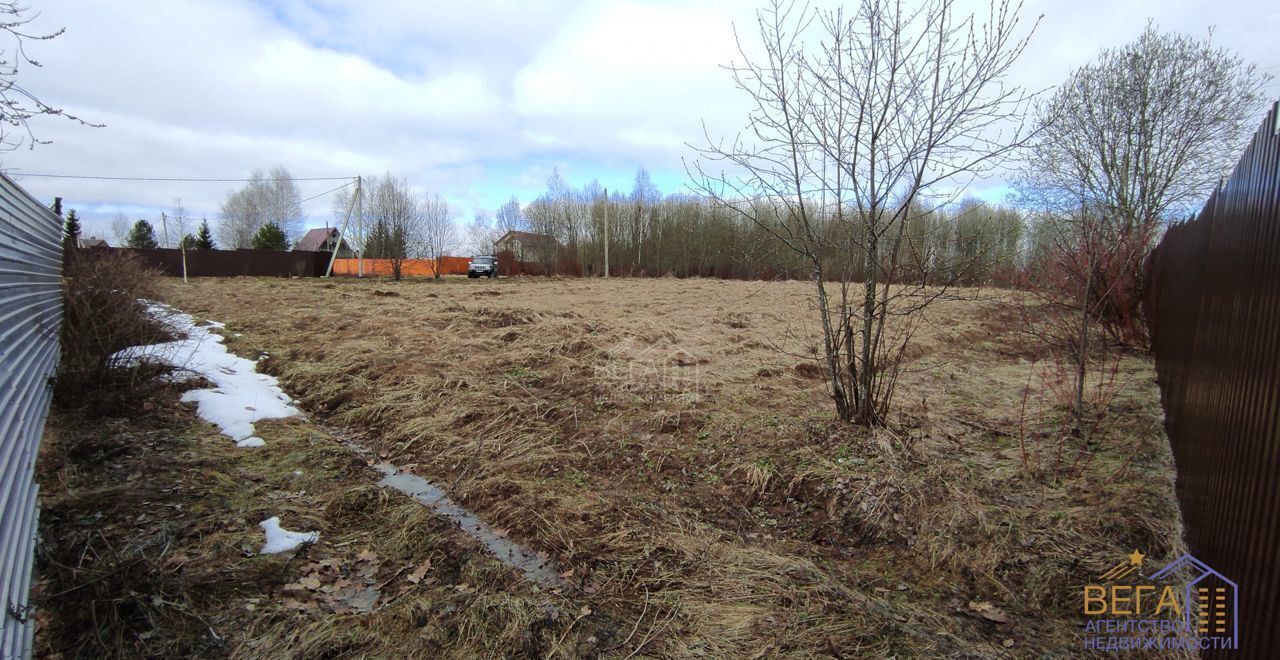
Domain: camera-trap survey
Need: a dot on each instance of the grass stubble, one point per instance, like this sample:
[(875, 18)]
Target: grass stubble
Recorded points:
[(665, 441)]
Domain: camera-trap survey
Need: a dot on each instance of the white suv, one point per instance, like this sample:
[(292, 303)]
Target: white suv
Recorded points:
[(482, 267)]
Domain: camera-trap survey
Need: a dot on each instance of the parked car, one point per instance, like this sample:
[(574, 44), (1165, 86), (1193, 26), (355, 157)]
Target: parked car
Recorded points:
[(485, 266)]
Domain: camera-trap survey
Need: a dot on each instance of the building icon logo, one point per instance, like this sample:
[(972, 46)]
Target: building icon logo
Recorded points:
[(1184, 605), (1213, 600)]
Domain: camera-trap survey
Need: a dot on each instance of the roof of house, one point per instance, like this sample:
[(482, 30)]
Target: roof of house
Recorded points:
[(315, 239), (93, 241), (525, 237)]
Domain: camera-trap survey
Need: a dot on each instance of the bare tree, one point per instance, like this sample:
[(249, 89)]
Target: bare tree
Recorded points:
[(396, 218), (481, 234), (510, 217), (851, 135), (18, 105), (173, 227), (1134, 139), (438, 233), (120, 228), (265, 198)]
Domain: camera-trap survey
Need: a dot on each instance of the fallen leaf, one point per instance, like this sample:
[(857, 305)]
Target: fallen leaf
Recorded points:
[(418, 573), (989, 612), (585, 610), (362, 600), (310, 582)]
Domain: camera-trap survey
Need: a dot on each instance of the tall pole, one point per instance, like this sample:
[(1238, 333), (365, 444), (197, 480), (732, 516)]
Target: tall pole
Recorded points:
[(342, 238), (360, 224), (606, 232)]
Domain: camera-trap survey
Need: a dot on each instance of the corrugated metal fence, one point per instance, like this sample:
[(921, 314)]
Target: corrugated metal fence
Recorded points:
[(30, 321), (1214, 307)]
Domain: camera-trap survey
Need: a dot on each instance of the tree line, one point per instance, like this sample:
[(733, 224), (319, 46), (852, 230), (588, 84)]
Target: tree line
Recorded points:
[(687, 235)]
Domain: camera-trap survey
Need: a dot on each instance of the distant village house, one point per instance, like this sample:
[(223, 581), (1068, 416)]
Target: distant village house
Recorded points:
[(527, 246), (323, 239), (92, 242)]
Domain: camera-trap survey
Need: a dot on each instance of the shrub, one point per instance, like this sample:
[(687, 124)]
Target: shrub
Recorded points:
[(102, 294)]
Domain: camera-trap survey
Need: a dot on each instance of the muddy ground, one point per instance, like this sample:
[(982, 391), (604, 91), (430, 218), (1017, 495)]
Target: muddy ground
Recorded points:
[(669, 443)]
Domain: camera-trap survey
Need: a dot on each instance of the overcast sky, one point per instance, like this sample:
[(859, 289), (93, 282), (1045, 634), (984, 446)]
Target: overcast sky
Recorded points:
[(477, 100)]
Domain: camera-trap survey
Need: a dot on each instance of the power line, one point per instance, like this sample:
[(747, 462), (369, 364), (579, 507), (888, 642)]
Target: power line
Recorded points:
[(186, 180), (304, 201)]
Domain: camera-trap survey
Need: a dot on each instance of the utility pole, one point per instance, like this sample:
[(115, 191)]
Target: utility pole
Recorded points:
[(360, 224), (342, 237), (606, 232), (181, 218)]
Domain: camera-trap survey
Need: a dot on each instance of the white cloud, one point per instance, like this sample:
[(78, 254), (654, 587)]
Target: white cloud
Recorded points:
[(476, 100)]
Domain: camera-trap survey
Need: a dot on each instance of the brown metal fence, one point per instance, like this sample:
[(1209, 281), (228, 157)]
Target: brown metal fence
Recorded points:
[(1214, 307), (233, 263)]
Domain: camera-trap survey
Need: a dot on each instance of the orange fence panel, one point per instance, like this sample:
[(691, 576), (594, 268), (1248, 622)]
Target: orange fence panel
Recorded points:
[(408, 267)]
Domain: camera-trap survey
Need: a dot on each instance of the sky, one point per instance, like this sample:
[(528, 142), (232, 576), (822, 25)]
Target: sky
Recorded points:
[(478, 101)]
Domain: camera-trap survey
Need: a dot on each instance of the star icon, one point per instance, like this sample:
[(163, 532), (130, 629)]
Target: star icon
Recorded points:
[(1136, 558)]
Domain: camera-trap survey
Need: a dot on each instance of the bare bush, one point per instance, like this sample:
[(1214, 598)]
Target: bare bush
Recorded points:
[(103, 293), (860, 123)]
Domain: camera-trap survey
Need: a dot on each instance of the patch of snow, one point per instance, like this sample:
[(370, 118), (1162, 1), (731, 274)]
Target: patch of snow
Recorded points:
[(280, 539), (240, 395)]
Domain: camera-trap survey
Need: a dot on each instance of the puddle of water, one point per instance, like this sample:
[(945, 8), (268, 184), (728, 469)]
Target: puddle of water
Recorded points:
[(536, 566)]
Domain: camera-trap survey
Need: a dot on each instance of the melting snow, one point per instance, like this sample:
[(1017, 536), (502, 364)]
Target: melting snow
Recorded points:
[(280, 539), (240, 395)]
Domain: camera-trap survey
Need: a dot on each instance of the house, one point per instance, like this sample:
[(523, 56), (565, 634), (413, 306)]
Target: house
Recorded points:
[(526, 246), (322, 239), (92, 242)]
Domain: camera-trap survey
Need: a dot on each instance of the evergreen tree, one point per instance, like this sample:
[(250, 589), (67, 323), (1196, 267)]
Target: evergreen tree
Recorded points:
[(71, 232), (270, 237), (204, 238), (142, 236), (189, 242)]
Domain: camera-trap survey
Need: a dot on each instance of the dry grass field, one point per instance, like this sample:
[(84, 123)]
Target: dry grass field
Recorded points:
[(669, 444)]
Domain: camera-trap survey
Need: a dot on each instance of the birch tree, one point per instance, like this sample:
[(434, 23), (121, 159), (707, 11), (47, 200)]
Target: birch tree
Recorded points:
[(438, 232), (265, 198)]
